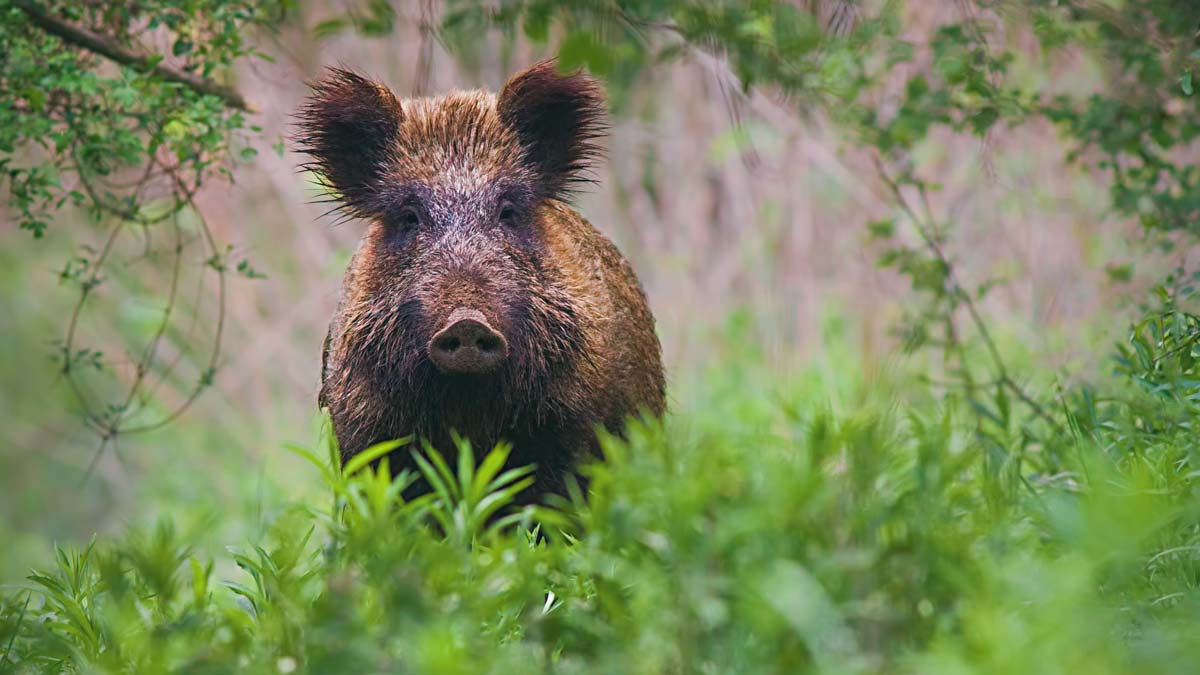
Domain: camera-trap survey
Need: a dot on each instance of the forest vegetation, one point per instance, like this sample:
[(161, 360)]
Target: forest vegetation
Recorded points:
[(925, 275)]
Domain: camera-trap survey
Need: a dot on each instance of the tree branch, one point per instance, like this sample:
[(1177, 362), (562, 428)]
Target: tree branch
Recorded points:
[(109, 48)]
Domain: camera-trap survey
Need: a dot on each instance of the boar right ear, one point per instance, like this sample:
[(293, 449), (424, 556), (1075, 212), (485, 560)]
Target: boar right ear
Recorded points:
[(558, 119), (348, 126)]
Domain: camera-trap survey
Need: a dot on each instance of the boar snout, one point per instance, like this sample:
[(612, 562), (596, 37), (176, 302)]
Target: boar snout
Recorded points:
[(468, 344)]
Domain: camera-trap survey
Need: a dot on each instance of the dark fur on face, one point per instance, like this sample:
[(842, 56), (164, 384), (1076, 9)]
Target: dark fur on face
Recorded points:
[(463, 197)]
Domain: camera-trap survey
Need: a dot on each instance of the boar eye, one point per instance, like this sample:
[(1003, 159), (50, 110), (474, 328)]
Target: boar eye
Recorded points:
[(408, 218), (508, 213)]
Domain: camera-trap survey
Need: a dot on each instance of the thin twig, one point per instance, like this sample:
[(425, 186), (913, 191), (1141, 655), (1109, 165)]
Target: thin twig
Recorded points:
[(924, 229), (147, 361), (105, 437), (110, 426), (218, 333)]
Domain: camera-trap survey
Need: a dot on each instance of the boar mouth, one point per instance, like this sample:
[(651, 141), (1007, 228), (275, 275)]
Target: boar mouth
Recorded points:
[(467, 344)]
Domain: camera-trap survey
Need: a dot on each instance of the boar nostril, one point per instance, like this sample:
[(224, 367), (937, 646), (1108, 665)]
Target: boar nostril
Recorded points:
[(467, 344)]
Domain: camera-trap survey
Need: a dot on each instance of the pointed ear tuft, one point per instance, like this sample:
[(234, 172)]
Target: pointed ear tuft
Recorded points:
[(348, 126), (558, 119)]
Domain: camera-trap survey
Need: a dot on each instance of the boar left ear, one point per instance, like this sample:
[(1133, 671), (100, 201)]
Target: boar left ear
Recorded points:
[(348, 126), (558, 119)]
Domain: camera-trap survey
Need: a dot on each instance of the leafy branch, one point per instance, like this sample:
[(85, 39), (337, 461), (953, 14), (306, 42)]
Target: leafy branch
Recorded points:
[(113, 50), (130, 149)]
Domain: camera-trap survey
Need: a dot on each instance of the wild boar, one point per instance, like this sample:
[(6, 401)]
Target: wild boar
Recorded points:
[(478, 300)]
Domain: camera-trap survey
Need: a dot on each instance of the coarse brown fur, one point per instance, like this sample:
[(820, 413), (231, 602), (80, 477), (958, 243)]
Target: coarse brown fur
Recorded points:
[(465, 201)]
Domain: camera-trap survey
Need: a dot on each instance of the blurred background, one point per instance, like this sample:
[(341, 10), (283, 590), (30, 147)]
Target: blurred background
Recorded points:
[(744, 216)]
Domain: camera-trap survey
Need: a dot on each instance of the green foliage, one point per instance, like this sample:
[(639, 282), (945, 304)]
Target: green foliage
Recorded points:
[(765, 42), (1161, 359), (94, 121), (1136, 130), (776, 537)]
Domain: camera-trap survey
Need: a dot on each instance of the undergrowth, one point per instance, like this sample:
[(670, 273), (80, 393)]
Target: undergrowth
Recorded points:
[(766, 527)]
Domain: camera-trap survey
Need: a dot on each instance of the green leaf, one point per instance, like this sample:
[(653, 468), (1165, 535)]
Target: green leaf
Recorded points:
[(329, 28), (537, 22), (581, 48), (882, 229), (366, 457)]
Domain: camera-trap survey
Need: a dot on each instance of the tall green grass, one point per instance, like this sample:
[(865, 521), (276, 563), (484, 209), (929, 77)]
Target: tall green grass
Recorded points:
[(834, 521)]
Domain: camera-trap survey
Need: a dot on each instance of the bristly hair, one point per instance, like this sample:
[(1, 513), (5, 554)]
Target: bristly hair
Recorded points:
[(348, 127), (558, 118)]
